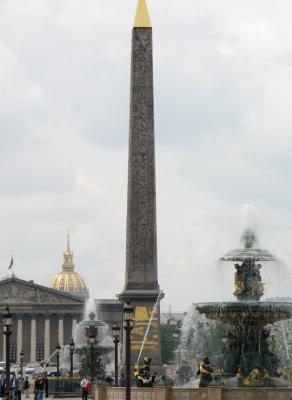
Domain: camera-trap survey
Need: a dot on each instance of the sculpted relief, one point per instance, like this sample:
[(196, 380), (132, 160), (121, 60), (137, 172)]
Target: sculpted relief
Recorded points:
[(23, 293), (141, 236)]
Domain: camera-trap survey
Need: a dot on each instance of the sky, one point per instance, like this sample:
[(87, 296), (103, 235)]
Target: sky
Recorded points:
[(222, 75)]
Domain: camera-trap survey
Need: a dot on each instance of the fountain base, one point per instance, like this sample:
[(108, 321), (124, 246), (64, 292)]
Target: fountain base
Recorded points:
[(247, 343)]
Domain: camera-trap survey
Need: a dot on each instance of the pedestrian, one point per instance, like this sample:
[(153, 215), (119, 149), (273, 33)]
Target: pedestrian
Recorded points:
[(290, 397), (46, 384), (122, 381), (109, 380), (26, 386), (2, 385), (15, 386), (85, 386), (38, 387), (155, 378)]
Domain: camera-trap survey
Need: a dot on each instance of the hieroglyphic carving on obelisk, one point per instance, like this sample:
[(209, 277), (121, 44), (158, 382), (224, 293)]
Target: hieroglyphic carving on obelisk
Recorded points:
[(141, 283), (141, 264)]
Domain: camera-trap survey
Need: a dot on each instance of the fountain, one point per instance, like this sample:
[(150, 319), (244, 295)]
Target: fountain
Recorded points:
[(93, 344), (246, 347)]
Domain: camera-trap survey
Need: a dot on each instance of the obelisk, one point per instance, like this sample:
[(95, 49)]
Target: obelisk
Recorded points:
[(141, 283)]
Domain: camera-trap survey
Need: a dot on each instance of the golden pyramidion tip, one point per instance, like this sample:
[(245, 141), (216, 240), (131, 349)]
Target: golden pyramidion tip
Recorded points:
[(142, 19)]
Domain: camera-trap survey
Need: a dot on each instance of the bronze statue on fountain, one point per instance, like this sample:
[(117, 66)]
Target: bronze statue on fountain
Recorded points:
[(246, 347), (143, 375)]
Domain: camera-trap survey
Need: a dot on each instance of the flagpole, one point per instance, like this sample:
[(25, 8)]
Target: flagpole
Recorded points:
[(11, 266)]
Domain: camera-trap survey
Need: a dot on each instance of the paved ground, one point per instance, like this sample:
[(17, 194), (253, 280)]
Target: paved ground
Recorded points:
[(49, 398)]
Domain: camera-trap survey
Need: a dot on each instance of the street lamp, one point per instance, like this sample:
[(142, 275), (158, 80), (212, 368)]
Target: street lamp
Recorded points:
[(128, 326), (58, 350), (92, 340), (72, 348), (7, 323), (21, 358), (116, 339)]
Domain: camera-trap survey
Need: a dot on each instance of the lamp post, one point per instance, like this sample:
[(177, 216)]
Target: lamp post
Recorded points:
[(116, 339), (72, 348), (21, 358), (7, 323), (128, 325), (92, 340), (58, 349)]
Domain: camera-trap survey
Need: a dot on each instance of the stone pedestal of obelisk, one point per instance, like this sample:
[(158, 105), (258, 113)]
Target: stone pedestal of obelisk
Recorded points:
[(141, 283)]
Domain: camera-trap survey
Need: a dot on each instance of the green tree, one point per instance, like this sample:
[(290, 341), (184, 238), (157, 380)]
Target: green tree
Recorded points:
[(209, 339), (168, 344)]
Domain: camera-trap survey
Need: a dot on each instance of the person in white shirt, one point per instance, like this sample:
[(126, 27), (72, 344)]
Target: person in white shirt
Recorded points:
[(85, 386)]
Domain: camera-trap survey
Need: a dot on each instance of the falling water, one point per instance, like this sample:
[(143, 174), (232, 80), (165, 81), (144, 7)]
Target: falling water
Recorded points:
[(48, 360), (149, 324), (90, 306), (64, 355), (285, 340)]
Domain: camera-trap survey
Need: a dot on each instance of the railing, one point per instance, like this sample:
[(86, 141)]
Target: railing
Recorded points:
[(70, 387), (64, 387)]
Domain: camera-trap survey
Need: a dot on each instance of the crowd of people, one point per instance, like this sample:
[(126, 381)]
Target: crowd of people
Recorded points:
[(17, 385), (37, 389), (143, 376)]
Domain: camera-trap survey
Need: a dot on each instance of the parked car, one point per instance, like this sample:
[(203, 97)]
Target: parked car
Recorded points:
[(15, 368), (30, 369), (52, 364), (2, 366), (53, 372)]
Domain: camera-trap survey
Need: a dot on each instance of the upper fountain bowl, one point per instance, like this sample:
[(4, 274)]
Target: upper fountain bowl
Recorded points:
[(245, 254), (249, 251), (97, 329)]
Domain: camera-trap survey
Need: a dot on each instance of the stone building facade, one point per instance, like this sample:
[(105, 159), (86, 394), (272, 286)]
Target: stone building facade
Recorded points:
[(46, 316), (42, 318)]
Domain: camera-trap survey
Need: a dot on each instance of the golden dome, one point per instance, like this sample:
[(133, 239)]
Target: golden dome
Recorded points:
[(68, 280)]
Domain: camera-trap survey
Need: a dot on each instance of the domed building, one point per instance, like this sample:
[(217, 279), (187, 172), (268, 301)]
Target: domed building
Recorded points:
[(68, 280)]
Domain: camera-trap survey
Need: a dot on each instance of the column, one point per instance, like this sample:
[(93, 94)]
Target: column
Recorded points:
[(19, 340), (47, 337), (61, 337), (33, 339), (74, 324), (4, 347), (61, 332), (74, 336)]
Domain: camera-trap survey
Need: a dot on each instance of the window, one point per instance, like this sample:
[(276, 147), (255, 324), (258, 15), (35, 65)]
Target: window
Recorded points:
[(40, 352), (13, 354)]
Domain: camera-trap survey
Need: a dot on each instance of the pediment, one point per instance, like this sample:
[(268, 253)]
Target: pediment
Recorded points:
[(14, 290)]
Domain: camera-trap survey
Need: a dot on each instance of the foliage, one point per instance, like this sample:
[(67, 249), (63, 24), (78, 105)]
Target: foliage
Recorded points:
[(208, 341), (168, 343)]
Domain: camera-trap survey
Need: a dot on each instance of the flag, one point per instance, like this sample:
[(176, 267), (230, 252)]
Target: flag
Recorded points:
[(11, 263)]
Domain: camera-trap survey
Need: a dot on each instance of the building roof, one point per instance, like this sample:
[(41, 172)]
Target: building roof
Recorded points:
[(68, 280), (166, 317), (15, 291)]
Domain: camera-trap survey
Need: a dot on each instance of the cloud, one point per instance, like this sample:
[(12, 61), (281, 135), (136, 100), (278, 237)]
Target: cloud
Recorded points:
[(223, 135)]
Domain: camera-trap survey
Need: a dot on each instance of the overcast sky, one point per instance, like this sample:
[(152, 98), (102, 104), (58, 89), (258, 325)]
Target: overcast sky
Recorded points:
[(223, 97)]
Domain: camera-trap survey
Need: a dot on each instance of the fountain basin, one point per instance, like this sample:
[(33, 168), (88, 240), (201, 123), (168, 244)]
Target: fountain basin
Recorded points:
[(247, 311), (93, 343)]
